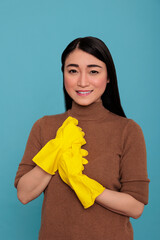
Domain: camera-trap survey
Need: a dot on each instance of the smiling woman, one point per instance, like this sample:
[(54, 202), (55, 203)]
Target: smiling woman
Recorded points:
[(102, 179)]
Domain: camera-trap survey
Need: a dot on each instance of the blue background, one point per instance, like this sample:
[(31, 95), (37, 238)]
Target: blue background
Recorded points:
[(33, 34)]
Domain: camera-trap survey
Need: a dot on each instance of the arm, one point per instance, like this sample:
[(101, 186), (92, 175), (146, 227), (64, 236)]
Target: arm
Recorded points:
[(30, 180), (133, 194), (32, 184), (121, 203)]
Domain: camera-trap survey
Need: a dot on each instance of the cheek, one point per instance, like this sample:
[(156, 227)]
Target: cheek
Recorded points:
[(100, 83), (67, 82)]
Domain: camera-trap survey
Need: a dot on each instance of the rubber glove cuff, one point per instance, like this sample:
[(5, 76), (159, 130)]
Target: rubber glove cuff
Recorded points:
[(47, 158), (85, 188)]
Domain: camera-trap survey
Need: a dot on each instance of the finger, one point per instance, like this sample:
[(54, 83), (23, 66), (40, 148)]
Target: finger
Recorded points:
[(84, 161), (69, 120), (84, 152)]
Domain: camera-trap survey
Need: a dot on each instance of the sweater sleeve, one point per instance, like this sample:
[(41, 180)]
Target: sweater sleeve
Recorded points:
[(133, 166), (33, 146)]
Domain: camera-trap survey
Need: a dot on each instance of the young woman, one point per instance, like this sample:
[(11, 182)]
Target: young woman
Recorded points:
[(115, 177)]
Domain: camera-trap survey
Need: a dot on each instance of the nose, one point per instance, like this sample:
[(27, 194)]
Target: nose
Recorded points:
[(83, 81)]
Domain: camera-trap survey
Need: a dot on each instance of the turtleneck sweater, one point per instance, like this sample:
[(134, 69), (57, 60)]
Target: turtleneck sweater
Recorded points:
[(116, 159)]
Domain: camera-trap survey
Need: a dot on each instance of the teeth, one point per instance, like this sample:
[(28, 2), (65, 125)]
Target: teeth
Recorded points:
[(84, 92)]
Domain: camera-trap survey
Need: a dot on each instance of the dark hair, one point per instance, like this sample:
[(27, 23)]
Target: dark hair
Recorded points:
[(97, 48)]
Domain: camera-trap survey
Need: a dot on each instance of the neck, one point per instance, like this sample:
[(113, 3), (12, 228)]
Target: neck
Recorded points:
[(93, 111)]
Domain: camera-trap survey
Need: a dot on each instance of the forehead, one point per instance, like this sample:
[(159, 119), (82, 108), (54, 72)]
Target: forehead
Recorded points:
[(82, 58)]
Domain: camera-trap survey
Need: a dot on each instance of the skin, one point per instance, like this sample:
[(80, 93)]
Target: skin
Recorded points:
[(84, 72), (85, 84)]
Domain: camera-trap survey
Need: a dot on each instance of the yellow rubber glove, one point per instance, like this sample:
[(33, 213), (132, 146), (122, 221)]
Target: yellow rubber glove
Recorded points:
[(69, 133), (70, 167)]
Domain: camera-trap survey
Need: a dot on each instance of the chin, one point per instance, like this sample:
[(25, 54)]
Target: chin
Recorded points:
[(83, 103)]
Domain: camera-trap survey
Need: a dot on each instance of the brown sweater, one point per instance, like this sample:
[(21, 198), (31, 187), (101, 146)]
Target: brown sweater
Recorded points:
[(117, 160)]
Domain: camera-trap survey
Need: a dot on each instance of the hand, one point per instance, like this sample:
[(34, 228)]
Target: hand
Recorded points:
[(67, 135), (70, 133), (70, 167), (71, 163)]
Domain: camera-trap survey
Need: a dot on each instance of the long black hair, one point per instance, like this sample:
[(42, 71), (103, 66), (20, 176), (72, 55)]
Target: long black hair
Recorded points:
[(97, 48)]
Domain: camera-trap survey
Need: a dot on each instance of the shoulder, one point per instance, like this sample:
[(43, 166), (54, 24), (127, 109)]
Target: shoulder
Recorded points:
[(126, 127), (127, 124), (132, 135), (132, 127), (46, 127), (51, 120)]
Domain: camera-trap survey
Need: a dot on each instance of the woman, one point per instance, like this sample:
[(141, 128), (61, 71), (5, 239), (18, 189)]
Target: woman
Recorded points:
[(116, 155)]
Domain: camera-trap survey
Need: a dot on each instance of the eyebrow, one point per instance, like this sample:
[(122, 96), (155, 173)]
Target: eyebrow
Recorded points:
[(76, 65)]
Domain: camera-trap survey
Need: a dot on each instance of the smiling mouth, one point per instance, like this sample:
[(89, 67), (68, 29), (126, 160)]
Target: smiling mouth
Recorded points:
[(83, 92)]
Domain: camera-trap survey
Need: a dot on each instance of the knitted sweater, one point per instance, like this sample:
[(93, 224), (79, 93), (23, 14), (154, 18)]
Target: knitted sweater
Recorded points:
[(116, 159)]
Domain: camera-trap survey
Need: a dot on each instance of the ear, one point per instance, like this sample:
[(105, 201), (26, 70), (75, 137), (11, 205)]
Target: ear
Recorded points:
[(108, 80)]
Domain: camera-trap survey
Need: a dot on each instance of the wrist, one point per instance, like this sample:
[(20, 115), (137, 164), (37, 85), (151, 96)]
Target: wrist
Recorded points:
[(86, 189)]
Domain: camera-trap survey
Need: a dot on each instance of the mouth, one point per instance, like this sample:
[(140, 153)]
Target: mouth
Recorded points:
[(84, 92)]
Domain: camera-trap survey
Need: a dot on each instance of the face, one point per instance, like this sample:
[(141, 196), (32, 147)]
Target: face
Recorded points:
[(85, 77)]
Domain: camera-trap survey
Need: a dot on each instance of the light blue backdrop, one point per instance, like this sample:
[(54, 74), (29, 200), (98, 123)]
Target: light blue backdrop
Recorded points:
[(33, 34)]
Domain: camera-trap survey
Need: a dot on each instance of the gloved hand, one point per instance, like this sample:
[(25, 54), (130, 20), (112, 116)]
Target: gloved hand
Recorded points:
[(70, 167), (69, 133)]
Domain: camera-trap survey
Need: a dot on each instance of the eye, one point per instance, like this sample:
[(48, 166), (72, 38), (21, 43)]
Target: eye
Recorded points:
[(94, 72), (72, 71)]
